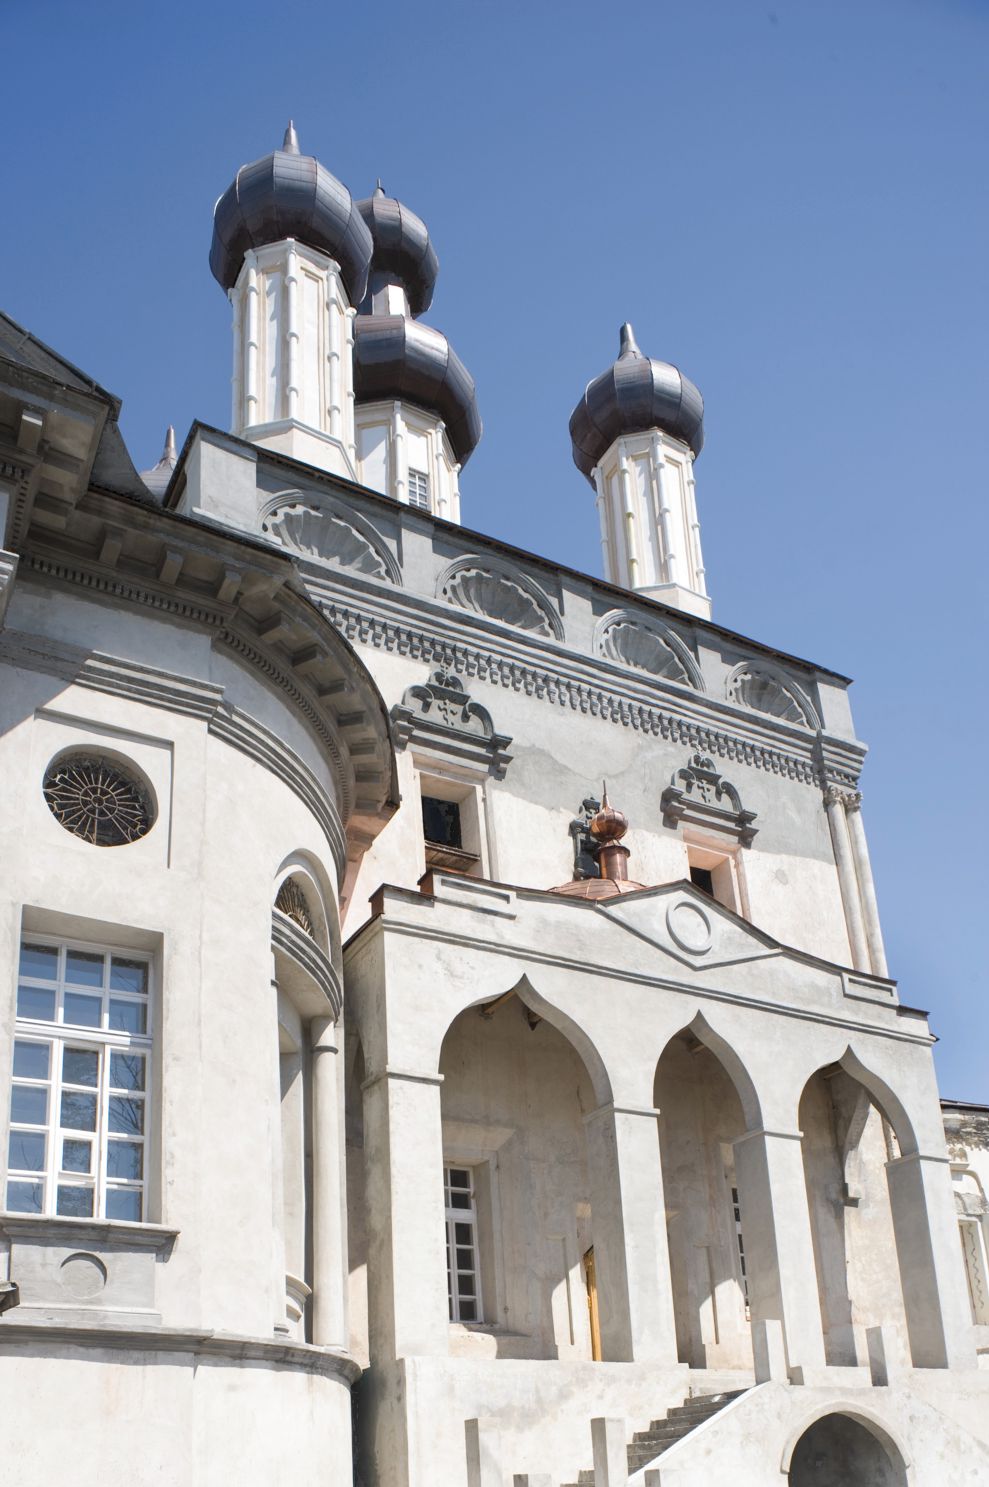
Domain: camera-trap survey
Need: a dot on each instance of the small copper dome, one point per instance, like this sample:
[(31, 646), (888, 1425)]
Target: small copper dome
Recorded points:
[(634, 395), (290, 195)]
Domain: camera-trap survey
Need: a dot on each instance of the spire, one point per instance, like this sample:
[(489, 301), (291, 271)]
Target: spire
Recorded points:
[(628, 346), (168, 453), (379, 190), (157, 478), (290, 144)]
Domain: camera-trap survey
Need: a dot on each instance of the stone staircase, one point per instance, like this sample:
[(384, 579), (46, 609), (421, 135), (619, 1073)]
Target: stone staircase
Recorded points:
[(680, 1421)]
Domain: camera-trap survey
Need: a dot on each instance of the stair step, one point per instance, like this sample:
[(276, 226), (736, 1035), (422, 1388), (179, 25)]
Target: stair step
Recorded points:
[(679, 1421)]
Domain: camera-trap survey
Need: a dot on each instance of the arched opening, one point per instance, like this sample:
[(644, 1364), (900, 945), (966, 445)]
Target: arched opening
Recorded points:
[(517, 1188), (838, 1450), (846, 1142), (701, 1116)]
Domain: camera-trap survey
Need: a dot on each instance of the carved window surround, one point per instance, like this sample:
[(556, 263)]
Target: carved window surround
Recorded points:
[(440, 719), (699, 796)]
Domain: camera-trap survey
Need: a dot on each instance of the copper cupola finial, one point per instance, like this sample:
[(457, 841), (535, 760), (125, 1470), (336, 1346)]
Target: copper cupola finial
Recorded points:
[(607, 826)]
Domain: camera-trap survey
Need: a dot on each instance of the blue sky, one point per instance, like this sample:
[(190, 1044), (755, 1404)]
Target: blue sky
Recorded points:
[(787, 198)]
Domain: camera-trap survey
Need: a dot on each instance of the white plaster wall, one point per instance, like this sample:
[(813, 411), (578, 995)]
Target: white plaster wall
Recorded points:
[(140, 1419)]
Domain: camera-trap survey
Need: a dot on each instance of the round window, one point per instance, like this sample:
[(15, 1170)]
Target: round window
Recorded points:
[(98, 799)]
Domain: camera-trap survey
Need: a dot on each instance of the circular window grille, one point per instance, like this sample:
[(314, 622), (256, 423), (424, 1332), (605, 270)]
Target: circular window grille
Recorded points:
[(292, 901), (94, 799)]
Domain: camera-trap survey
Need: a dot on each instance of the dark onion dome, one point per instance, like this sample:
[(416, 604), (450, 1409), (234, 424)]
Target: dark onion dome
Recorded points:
[(403, 253), (635, 394), (290, 195), (395, 357)]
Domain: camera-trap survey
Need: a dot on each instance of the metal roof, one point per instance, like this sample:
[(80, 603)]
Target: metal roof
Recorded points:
[(403, 252), (395, 357), (635, 394), (290, 195)]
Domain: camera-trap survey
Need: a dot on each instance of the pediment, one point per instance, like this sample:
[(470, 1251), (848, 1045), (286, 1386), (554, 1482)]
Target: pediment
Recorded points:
[(689, 926)]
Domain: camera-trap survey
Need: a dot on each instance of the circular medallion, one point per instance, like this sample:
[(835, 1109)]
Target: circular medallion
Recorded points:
[(82, 1275), (689, 926), (97, 800)]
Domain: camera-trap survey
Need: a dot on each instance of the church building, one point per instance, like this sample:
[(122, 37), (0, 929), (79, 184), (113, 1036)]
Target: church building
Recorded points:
[(446, 1037)]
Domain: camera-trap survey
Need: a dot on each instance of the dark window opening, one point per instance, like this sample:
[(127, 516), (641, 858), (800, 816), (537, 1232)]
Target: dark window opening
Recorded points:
[(441, 822), (702, 878)]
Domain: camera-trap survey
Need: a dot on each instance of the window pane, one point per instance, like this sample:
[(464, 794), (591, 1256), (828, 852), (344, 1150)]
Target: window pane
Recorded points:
[(459, 1200), (126, 1070), (32, 1001), (77, 1156), (125, 1159), (83, 1011), (83, 968), (30, 1060), (128, 1017), (74, 1202), (468, 1311), (459, 1177), (124, 1203), (40, 961), (463, 1233), (126, 1116), (25, 1197), (128, 975), (465, 1284), (441, 821), (78, 1111), (26, 1151), (465, 1259), (81, 1066), (29, 1105)]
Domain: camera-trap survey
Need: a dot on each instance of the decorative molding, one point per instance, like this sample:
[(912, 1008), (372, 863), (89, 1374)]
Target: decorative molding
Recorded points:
[(187, 695), (8, 572), (441, 716), (585, 848), (390, 635), (766, 689), (624, 637), (700, 796), (841, 795), (307, 955), (488, 587), (317, 527), (217, 1345)]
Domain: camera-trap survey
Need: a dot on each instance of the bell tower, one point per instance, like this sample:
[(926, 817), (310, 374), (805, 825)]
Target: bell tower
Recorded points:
[(636, 433)]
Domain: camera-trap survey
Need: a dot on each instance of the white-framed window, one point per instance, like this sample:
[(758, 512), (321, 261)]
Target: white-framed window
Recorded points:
[(79, 1103), (419, 489), (462, 1269)]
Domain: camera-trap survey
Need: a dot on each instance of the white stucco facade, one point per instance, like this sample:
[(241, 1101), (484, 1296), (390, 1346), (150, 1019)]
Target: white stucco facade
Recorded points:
[(338, 1146)]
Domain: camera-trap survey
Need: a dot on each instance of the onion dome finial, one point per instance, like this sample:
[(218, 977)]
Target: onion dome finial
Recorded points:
[(156, 479), (607, 826), (403, 251), (290, 195), (635, 394)]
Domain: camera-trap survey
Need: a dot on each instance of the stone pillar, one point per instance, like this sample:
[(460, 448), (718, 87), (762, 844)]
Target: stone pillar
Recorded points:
[(329, 1192), (408, 1311), (628, 1215), (779, 1249), (483, 1445), (610, 1452), (278, 1264), (867, 887), (935, 1298), (834, 801)]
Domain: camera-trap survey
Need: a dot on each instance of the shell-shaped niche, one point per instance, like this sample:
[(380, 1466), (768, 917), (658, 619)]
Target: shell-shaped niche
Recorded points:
[(486, 592), (633, 644), (765, 692), (318, 533)]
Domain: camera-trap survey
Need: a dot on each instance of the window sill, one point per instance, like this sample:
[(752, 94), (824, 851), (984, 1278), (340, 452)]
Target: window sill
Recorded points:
[(453, 859), (111, 1233)]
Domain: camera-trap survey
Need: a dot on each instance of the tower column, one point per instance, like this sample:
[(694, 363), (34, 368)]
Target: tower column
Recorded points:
[(329, 1318), (867, 887), (834, 803)]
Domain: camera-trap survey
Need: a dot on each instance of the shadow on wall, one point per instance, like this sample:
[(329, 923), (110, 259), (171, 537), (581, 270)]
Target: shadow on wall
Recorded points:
[(837, 1451)]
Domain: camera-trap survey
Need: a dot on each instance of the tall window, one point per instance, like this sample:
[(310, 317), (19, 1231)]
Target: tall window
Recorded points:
[(419, 489), (736, 1215), (462, 1270), (81, 1082)]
